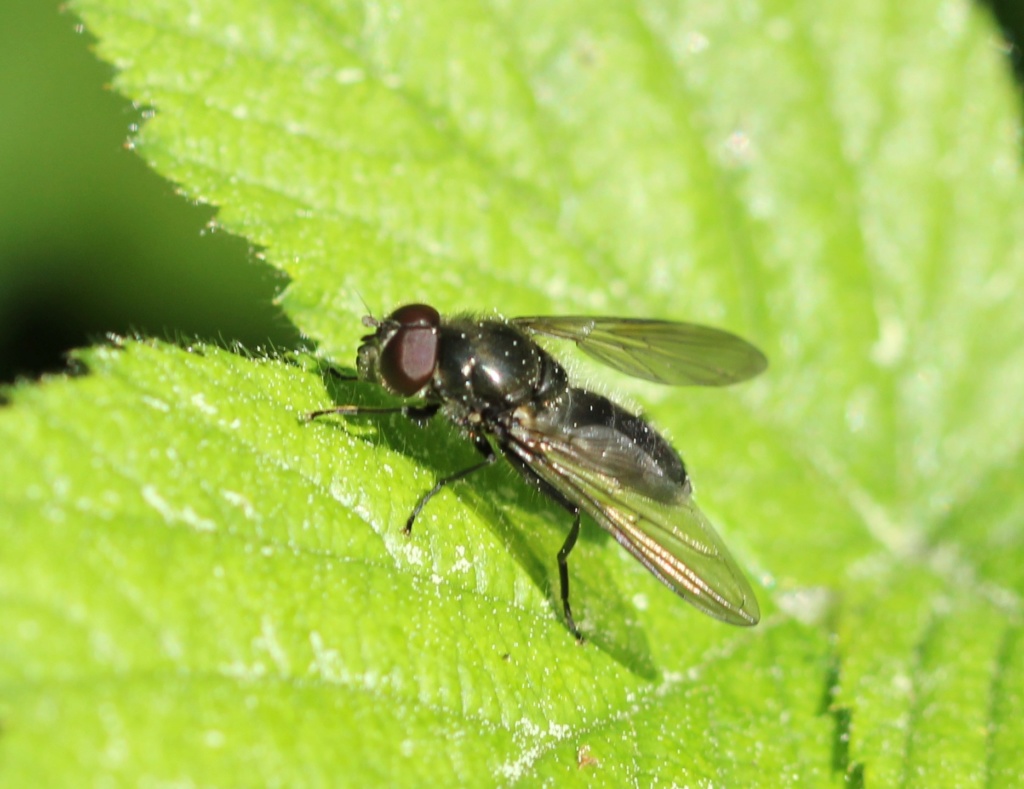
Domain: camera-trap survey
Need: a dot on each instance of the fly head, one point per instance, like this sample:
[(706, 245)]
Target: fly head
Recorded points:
[(401, 355)]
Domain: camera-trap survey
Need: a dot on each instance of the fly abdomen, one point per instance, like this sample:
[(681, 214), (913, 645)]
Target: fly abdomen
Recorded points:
[(626, 438)]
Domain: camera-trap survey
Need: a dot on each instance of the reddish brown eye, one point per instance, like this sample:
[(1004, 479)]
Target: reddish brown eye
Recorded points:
[(408, 359), (416, 315)]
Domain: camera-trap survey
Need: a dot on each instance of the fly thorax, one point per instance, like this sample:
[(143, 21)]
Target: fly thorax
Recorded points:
[(553, 381), (487, 366)]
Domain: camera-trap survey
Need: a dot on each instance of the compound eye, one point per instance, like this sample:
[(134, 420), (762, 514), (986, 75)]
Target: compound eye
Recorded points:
[(415, 315), (409, 357)]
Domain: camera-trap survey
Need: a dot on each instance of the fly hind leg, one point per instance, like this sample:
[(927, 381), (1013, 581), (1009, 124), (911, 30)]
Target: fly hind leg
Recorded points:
[(563, 573), (555, 495)]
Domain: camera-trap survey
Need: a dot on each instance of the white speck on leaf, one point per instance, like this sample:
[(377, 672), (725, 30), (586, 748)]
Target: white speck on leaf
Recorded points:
[(172, 515), (199, 401)]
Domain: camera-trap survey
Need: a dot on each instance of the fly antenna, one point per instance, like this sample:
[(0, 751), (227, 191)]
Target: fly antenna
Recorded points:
[(368, 320), (366, 306)]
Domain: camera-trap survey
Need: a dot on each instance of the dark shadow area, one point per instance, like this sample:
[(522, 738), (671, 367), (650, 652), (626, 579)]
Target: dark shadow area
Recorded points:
[(495, 494), (91, 240), (58, 307), (842, 720), (1009, 15)]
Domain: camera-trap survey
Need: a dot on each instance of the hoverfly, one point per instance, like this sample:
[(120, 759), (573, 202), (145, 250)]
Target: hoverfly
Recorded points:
[(490, 378)]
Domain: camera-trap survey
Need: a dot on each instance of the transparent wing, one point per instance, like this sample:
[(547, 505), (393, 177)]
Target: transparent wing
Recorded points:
[(660, 351), (653, 518)]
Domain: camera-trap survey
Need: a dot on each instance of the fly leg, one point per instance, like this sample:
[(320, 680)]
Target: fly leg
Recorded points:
[(484, 448), (556, 496), (563, 573), (418, 413)]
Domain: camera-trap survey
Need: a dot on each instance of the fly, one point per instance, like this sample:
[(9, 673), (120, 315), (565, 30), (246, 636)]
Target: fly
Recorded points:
[(490, 378)]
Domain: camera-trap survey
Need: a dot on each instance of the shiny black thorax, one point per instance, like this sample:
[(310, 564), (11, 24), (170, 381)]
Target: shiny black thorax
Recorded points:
[(489, 367)]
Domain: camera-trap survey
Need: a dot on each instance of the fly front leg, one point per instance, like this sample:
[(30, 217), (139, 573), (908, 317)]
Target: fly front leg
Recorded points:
[(418, 413), (484, 448)]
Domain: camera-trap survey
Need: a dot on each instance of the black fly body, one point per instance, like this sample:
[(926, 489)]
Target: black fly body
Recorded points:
[(586, 453)]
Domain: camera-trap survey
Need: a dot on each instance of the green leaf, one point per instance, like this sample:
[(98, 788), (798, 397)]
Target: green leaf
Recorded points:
[(197, 586)]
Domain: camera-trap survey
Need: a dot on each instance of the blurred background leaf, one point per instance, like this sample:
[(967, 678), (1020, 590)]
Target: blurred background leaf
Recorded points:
[(841, 185)]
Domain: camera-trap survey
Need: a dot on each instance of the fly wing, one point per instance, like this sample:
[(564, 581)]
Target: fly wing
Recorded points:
[(652, 517), (661, 351)]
